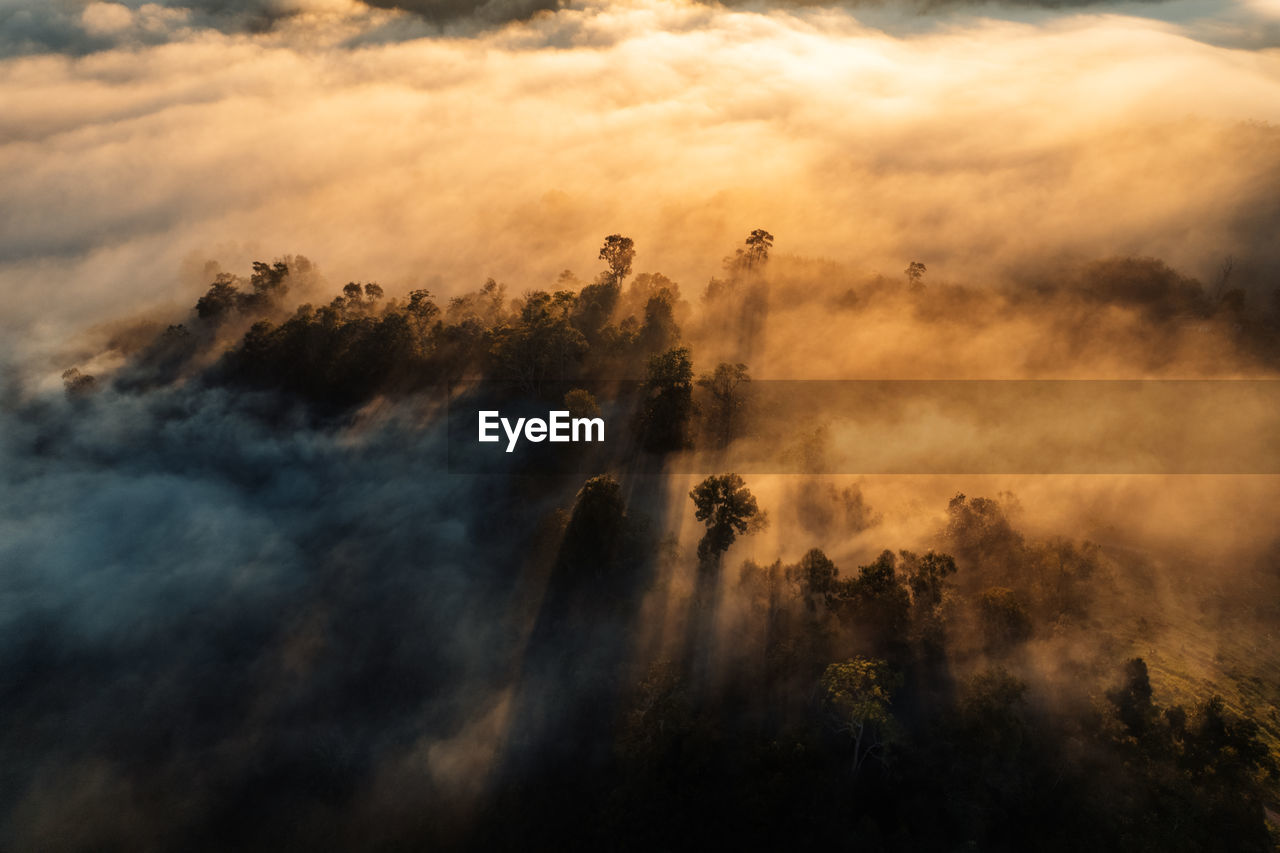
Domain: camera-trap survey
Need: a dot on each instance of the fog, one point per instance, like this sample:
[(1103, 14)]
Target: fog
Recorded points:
[(238, 616), (989, 150)]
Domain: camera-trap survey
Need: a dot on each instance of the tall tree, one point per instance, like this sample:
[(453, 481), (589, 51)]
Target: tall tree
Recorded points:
[(662, 424), (726, 389), (816, 576), (753, 256), (1132, 698), (759, 242), (727, 507), (597, 301), (857, 694), (659, 330), (593, 539), (877, 601), (915, 275), (1005, 621), (618, 252)]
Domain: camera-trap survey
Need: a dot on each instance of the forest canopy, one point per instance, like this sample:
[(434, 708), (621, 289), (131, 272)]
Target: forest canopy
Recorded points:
[(975, 670)]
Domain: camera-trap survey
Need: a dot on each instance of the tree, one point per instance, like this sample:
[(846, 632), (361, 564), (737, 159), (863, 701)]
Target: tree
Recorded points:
[(77, 383), (877, 600), (727, 508), (598, 300), (618, 252), (422, 306), (422, 313), (816, 576), (728, 400), (857, 694), (915, 274), (992, 717), (659, 330), (647, 285), (657, 718), (220, 298), (758, 244), (663, 421), (927, 577), (593, 539), (485, 306), (1005, 622), (979, 533), (164, 358), (269, 283), (358, 299), (581, 403), (1132, 699), (542, 344), (1225, 747)]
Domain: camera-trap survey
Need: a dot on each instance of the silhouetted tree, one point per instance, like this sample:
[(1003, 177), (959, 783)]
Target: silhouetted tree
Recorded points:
[(1004, 619), (644, 287), (77, 383), (877, 601), (541, 344), (1133, 699), (927, 576), (422, 306), (727, 401), (727, 507), (1147, 284), (752, 257), (598, 300), (596, 533), (979, 533), (816, 576), (992, 725), (658, 718), (759, 242), (915, 275), (663, 421), (485, 306), (220, 298), (659, 331), (269, 284), (618, 252)]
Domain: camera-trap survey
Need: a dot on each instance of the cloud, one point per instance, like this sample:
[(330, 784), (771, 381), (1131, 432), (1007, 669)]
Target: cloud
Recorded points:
[(988, 151), (79, 27), (106, 18), (489, 11)]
